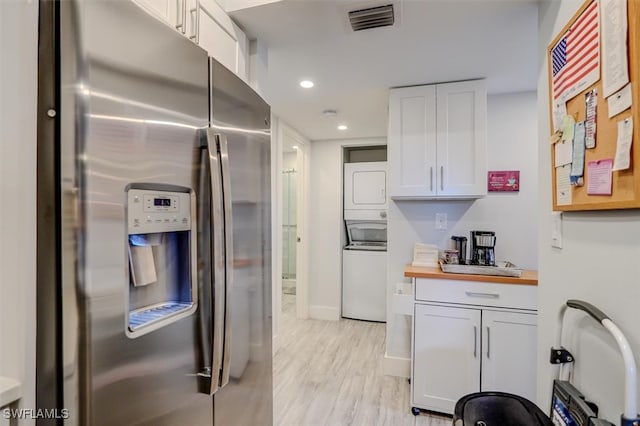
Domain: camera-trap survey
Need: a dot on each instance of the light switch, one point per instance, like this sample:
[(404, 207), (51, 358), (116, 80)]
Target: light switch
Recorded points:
[(556, 229)]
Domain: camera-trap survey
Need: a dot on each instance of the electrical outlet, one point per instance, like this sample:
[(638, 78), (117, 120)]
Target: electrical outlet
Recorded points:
[(441, 221)]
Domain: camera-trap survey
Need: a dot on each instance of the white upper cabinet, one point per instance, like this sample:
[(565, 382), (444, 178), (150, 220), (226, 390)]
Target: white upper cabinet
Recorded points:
[(174, 13), (462, 145), (437, 141), (205, 23), (159, 8), (222, 38), (411, 146)]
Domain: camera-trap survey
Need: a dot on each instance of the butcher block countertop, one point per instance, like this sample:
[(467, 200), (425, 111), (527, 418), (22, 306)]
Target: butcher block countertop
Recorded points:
[(528, 277)]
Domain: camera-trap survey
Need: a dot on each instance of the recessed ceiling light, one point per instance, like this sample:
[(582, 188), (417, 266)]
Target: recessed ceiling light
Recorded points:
[(342, 127), (295, 147), (307, 84)]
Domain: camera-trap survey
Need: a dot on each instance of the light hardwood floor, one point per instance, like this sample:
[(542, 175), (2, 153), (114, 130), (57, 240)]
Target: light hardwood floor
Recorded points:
[(330, 373)]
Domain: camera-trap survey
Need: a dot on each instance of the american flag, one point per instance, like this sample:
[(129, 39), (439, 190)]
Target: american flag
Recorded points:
[(576, 56)]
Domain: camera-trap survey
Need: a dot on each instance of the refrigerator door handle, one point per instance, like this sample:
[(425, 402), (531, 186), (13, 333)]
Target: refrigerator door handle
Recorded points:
[(210, 376), (228, 236)]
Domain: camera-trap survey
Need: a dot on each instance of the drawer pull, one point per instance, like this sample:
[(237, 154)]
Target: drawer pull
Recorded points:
[(484, 295)]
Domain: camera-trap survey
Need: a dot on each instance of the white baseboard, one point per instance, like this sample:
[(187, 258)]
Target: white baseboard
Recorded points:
[(326, 313), (395, 366), (257, 352)]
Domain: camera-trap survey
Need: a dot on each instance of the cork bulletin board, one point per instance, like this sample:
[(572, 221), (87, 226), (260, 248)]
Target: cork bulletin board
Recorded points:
[(592, 173)]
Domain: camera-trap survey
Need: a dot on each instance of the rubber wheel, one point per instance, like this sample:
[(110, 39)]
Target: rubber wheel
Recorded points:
[(415, 411)]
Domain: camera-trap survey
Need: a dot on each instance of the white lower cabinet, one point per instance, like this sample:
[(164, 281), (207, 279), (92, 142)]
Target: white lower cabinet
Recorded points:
[(509, 352), (461, 349), (446, 356)]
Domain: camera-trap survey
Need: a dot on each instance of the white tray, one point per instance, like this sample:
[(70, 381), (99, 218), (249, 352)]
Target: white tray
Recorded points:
[(481, 270)]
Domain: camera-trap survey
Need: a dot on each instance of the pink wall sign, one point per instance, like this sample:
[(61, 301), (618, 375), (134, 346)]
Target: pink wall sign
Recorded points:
[(504, 181)]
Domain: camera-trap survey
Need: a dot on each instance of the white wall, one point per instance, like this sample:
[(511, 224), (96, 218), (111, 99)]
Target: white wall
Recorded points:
[(326, 227), (18, 78), (512, 145), (598, 263), (258, 66)]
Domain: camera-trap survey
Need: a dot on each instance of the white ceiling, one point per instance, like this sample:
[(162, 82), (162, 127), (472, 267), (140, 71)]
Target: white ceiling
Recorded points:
[(432, 41)]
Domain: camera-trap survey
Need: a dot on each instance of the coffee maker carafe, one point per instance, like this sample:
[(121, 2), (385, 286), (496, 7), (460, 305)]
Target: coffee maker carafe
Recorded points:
[(483, 248)]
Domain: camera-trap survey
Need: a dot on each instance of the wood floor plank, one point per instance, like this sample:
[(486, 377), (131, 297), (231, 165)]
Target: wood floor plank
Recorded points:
[(330, 373)]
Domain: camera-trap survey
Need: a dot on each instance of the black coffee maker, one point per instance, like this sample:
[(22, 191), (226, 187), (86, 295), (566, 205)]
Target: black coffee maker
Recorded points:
[(483, 248)]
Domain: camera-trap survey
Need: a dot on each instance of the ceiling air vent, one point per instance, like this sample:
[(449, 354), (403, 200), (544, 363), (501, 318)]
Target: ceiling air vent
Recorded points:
[(372, 17)]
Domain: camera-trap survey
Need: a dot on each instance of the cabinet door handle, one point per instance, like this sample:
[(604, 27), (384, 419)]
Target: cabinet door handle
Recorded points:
[(184, 16), (195, 24), (441, 178), (488, 341), (475, 341), (485, 295), (180, 14), (431, 179)]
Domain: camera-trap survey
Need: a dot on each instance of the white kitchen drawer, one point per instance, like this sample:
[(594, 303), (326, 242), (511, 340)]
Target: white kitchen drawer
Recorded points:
[(477, 293)]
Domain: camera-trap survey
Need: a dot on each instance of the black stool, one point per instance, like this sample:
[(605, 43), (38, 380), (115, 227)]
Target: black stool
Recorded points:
[(498, 409)]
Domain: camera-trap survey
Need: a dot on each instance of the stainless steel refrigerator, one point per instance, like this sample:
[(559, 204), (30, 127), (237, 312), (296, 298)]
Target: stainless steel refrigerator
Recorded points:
[(154, 237)]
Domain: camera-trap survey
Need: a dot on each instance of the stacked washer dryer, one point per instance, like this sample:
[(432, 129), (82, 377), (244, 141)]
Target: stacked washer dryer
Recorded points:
[(364, 258)]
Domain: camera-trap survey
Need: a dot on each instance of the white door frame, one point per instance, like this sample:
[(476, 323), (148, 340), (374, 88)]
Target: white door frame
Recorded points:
[(302, 214), (280, 131)]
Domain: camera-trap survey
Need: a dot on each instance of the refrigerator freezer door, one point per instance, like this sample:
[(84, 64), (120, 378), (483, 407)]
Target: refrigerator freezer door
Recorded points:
[(133, 95), (217, 247), (242, 117)]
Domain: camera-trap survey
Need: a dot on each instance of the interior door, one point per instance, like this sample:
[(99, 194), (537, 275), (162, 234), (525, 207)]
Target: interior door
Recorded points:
[(446, 362)]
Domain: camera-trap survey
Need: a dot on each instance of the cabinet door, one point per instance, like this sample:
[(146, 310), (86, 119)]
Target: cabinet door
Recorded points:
[(165, 10), (461, 140), (174, 13), (509, 345), (412, 142), (222, 38), (446, 356)]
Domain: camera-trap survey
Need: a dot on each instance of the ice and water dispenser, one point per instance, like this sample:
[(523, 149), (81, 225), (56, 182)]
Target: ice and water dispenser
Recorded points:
[(161, 239)]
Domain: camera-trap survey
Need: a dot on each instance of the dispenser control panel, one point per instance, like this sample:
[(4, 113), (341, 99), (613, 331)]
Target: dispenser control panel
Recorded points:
[(158, 211), (161, 203)]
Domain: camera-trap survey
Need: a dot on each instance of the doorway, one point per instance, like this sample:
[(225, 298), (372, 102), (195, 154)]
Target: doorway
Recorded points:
[(293, 224), (289, 222)]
